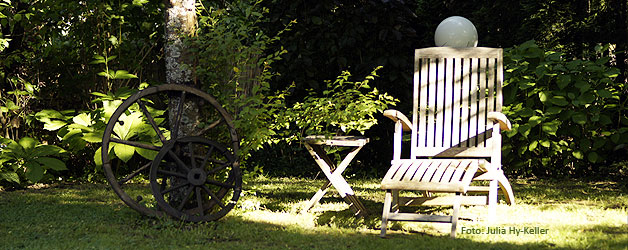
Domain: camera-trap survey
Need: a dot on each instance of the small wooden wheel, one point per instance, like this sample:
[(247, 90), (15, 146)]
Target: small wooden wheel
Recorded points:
[(150, 120), (195, 179)]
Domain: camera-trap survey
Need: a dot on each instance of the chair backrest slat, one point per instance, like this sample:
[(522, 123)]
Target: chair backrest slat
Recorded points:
[(454, 89)]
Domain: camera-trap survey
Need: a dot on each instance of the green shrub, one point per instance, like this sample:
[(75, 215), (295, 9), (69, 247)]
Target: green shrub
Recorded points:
[(28, 161), (568, 115)]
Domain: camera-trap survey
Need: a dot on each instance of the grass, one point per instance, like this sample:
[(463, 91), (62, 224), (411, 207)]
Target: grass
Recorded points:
[(576, 215)]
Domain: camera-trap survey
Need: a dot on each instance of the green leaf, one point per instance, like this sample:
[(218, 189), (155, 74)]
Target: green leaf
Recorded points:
[(559, 100), (550, 127), (578, 154), (48, 114), (95, 137), (524, 130), (139, 2), (28, 143), (10, 176), (544, 95), (563, 81), (533, 145), (593, 157), (583, 86), (604, 93), (553, 110), (51, 163), (579, 118), (535, 120), (586, 98), (123, 74), (34, 171), (46, 150), (54, 125), (83, 119), (147, 153), (123, 151), (98, 157)]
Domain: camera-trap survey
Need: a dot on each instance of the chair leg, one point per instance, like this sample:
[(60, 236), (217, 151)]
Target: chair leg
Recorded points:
[(454, 217), (507, 189), (492, 201), (385, 212), (395, 201)]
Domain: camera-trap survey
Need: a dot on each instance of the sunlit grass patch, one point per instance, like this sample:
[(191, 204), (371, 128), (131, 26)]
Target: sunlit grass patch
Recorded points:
[(575, 215)]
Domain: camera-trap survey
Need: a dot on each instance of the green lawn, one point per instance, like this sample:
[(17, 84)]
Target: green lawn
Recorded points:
[(574, 214)]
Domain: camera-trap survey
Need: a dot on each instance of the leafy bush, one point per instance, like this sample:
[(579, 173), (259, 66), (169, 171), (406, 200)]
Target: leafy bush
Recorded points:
[(345, 106), (28, 159), (568, 115), (235, 67)]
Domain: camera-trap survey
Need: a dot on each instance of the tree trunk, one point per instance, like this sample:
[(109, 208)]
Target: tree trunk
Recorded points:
[(180, 23)]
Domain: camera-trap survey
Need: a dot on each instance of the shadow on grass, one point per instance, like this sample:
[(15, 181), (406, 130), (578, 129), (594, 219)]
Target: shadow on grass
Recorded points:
[(91, 216)]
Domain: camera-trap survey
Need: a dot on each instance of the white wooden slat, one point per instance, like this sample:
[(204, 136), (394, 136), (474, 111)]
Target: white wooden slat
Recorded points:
[(470, 52), (499, 78), (481, 102), (430, 170), (422, 135), (491, 98), (464, 115), (459, 171), (431, 102), (440, 171), (411, 170), (448, 104), (421, 171), (457, 88), (449, 172), (401, 171), (491, 84), (473, 111), (456, 152), (417, 91), (440, 101)]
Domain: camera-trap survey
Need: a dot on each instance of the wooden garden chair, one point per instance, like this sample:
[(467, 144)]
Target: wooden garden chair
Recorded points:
[(455, 135)]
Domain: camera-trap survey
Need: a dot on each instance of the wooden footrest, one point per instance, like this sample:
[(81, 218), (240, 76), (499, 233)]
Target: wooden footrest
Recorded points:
[(443, 200), (419, 217)]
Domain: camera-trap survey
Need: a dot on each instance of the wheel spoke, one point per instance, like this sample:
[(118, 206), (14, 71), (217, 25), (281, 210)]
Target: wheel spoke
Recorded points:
[(180, 185), (135, 173), (135, 144), (217, 183), (170, 173), (151, 120), (180, 162), (191, 154), (213, 125), (207, 156), (186, 197), (216, 169), (199, 201), (214, 197), (177, 118)]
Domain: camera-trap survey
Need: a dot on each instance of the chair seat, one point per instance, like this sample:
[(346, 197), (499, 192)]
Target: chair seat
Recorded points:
[(435, 175)]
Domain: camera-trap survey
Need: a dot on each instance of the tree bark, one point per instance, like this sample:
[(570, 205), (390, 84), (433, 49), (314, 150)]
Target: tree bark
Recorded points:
[(180, 23)]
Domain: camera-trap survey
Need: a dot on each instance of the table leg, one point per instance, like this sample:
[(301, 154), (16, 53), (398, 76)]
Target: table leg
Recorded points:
[(317, 197), (334, 176)]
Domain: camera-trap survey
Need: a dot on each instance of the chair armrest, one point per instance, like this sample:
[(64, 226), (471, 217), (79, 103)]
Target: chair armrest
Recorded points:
[(504, 123), (398, 116)]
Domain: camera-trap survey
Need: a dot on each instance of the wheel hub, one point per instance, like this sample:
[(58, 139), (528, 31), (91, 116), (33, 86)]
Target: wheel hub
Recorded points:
[(197, 177)]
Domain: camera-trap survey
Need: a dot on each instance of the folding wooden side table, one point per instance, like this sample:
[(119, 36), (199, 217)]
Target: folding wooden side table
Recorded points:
[(314, 145)]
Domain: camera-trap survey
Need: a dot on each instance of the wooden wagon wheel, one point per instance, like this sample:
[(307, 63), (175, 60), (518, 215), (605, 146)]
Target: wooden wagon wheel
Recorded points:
[(195, 179), (150, 120)]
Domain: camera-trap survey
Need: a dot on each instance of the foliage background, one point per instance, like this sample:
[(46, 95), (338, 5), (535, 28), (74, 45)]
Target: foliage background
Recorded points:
[(47, 48)]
